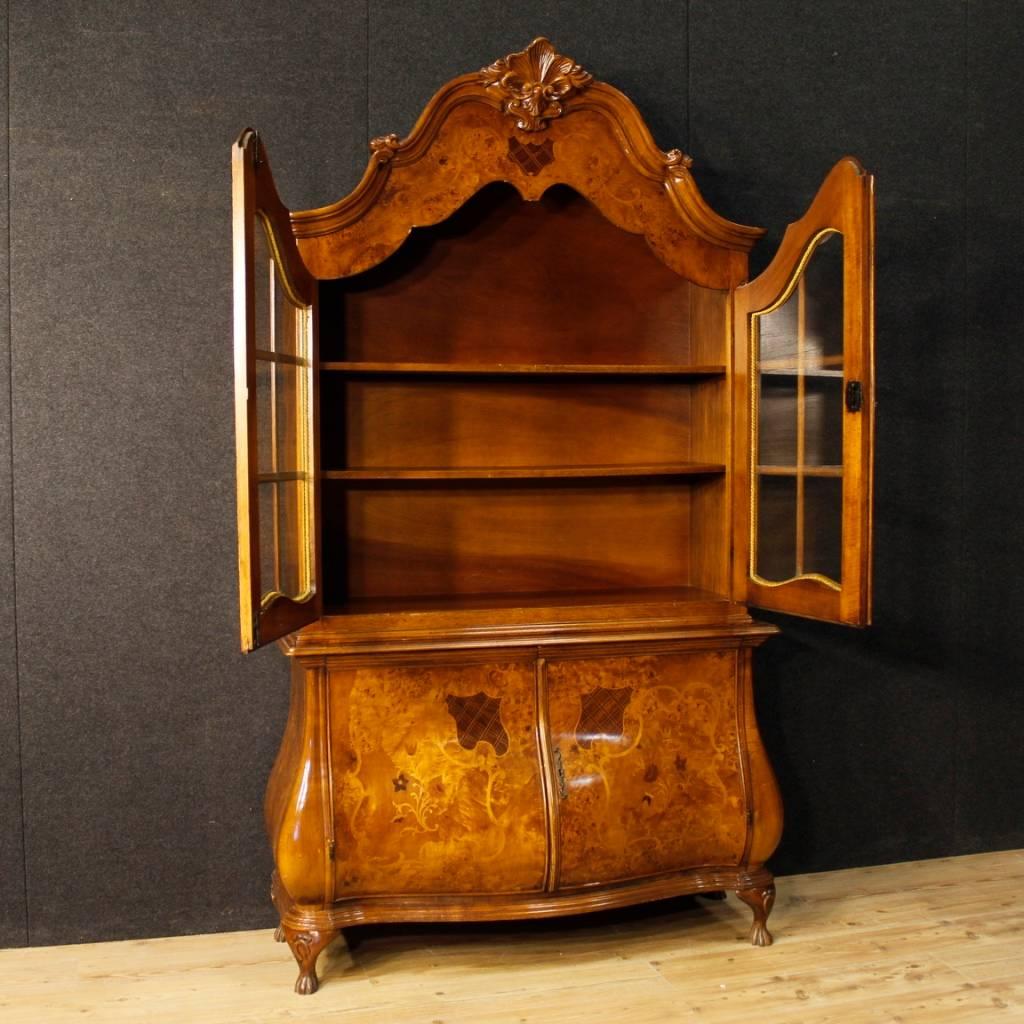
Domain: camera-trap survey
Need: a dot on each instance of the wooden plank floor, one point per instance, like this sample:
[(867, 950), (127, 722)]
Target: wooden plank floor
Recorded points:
[(930, 941)]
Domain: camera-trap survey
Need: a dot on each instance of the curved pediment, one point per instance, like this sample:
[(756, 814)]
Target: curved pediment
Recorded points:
[(533, 119)]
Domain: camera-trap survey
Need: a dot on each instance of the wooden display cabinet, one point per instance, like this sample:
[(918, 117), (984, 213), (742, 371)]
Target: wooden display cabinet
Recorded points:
[(518, 444)]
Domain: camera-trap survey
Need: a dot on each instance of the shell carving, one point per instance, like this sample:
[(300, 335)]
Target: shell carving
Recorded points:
[(533, 83)]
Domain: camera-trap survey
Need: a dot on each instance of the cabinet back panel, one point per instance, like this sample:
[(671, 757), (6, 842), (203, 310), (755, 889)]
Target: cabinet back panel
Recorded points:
[(450, 422), (506, 280), (492, 538)]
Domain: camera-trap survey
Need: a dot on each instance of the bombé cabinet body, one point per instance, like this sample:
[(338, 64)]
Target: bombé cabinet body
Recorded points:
[(519, 443)]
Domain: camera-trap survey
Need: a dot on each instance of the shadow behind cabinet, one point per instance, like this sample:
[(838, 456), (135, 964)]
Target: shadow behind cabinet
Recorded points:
[(517, 445)]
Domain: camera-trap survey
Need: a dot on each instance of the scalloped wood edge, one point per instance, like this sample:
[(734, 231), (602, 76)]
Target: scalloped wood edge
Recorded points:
[(639, 151), (513, 906)]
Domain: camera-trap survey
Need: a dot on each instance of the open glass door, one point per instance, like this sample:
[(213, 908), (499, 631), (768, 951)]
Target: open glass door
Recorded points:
[(805, 412), (276, 322)]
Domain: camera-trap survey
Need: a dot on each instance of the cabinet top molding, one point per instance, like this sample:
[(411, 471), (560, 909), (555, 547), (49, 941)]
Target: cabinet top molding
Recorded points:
[(533, 82)]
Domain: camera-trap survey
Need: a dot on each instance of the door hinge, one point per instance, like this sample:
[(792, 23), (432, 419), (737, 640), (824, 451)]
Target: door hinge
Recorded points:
[(330, 849), (854, 395), (750, 815), (255, 149)]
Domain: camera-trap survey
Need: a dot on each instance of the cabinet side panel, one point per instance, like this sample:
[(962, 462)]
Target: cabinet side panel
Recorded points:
[(437, 779), (765, 798), (653, 777)]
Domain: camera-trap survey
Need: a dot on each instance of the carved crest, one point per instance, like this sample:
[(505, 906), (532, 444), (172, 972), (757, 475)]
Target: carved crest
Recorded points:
[(533, 82), (478, 720)]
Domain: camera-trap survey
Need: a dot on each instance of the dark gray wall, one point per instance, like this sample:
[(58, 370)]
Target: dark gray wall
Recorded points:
[(134, 742)]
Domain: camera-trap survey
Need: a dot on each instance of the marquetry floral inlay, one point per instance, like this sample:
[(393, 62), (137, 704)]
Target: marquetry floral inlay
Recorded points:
[(533, 83)]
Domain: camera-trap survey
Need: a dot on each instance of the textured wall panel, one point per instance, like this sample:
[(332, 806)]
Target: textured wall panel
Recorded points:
[(862, 724), (147, 738), (639, 47), (990, 799), (13, 923)]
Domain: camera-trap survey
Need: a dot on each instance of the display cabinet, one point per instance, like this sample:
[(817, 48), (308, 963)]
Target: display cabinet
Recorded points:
[(518, 445)]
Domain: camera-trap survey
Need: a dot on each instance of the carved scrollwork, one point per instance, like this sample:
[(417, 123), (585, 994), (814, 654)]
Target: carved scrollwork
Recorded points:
[(384, 147), (533, 83), (677, 162)]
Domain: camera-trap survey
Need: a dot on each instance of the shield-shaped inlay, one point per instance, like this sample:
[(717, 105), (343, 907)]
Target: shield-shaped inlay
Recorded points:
[(478, 720), (602, 713), (532, 157)]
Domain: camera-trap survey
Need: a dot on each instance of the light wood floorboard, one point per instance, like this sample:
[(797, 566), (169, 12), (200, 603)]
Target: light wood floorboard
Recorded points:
[(929, 942)]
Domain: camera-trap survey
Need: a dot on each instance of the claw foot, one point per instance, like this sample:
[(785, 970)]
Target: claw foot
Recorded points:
[(306, 946), (760, 902)]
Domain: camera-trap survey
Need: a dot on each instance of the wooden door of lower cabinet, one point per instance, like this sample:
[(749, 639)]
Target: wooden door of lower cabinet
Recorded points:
[(647, 754), (436, 777)]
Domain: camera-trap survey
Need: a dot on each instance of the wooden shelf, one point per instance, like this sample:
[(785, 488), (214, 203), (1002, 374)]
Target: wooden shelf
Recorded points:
[(524, 472), (525, 616), (526, 369), (793, 372), (824, 471)]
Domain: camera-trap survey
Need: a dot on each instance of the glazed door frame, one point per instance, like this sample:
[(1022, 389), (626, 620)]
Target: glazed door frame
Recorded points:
[(288, 398), (844, 205)]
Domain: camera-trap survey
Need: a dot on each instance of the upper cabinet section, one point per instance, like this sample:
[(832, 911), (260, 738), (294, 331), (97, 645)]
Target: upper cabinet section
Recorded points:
[(533, 119), (805, 410), (276, 322)]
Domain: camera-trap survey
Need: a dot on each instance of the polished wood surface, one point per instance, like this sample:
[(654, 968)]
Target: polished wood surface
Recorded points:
[(531, 693), (436, 777), (929, 942), (546, 262), (459, 539), (501, 369), (405, 423), (651, 762)]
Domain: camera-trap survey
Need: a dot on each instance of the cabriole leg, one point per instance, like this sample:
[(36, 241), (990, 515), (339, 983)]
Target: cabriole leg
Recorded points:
[(306, 946), (760, 901)]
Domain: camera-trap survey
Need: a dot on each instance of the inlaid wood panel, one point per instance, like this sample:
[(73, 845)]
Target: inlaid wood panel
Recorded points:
[(506, 536), (504, 280), (651, 761), (489, 422), (436, 778)]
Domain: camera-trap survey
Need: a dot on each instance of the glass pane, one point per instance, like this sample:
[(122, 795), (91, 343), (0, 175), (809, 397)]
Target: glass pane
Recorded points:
[(823, 314), (823, 421), (293, 543), (282, 416), (776, 438), (823, 520), (264, 422), (776, 539), (268, 559), (291, 437), (291, 326), (263, 290), (798, 423)]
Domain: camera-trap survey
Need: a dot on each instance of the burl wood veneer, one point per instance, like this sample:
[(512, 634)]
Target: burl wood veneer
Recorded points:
[(518, 443)]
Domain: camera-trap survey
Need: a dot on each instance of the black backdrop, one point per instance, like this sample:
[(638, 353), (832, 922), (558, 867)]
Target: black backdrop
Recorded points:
[(134, 741)]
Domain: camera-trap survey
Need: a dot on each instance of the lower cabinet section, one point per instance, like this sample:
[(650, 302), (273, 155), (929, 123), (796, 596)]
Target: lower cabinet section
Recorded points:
[(650, 762), (511, 783)]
